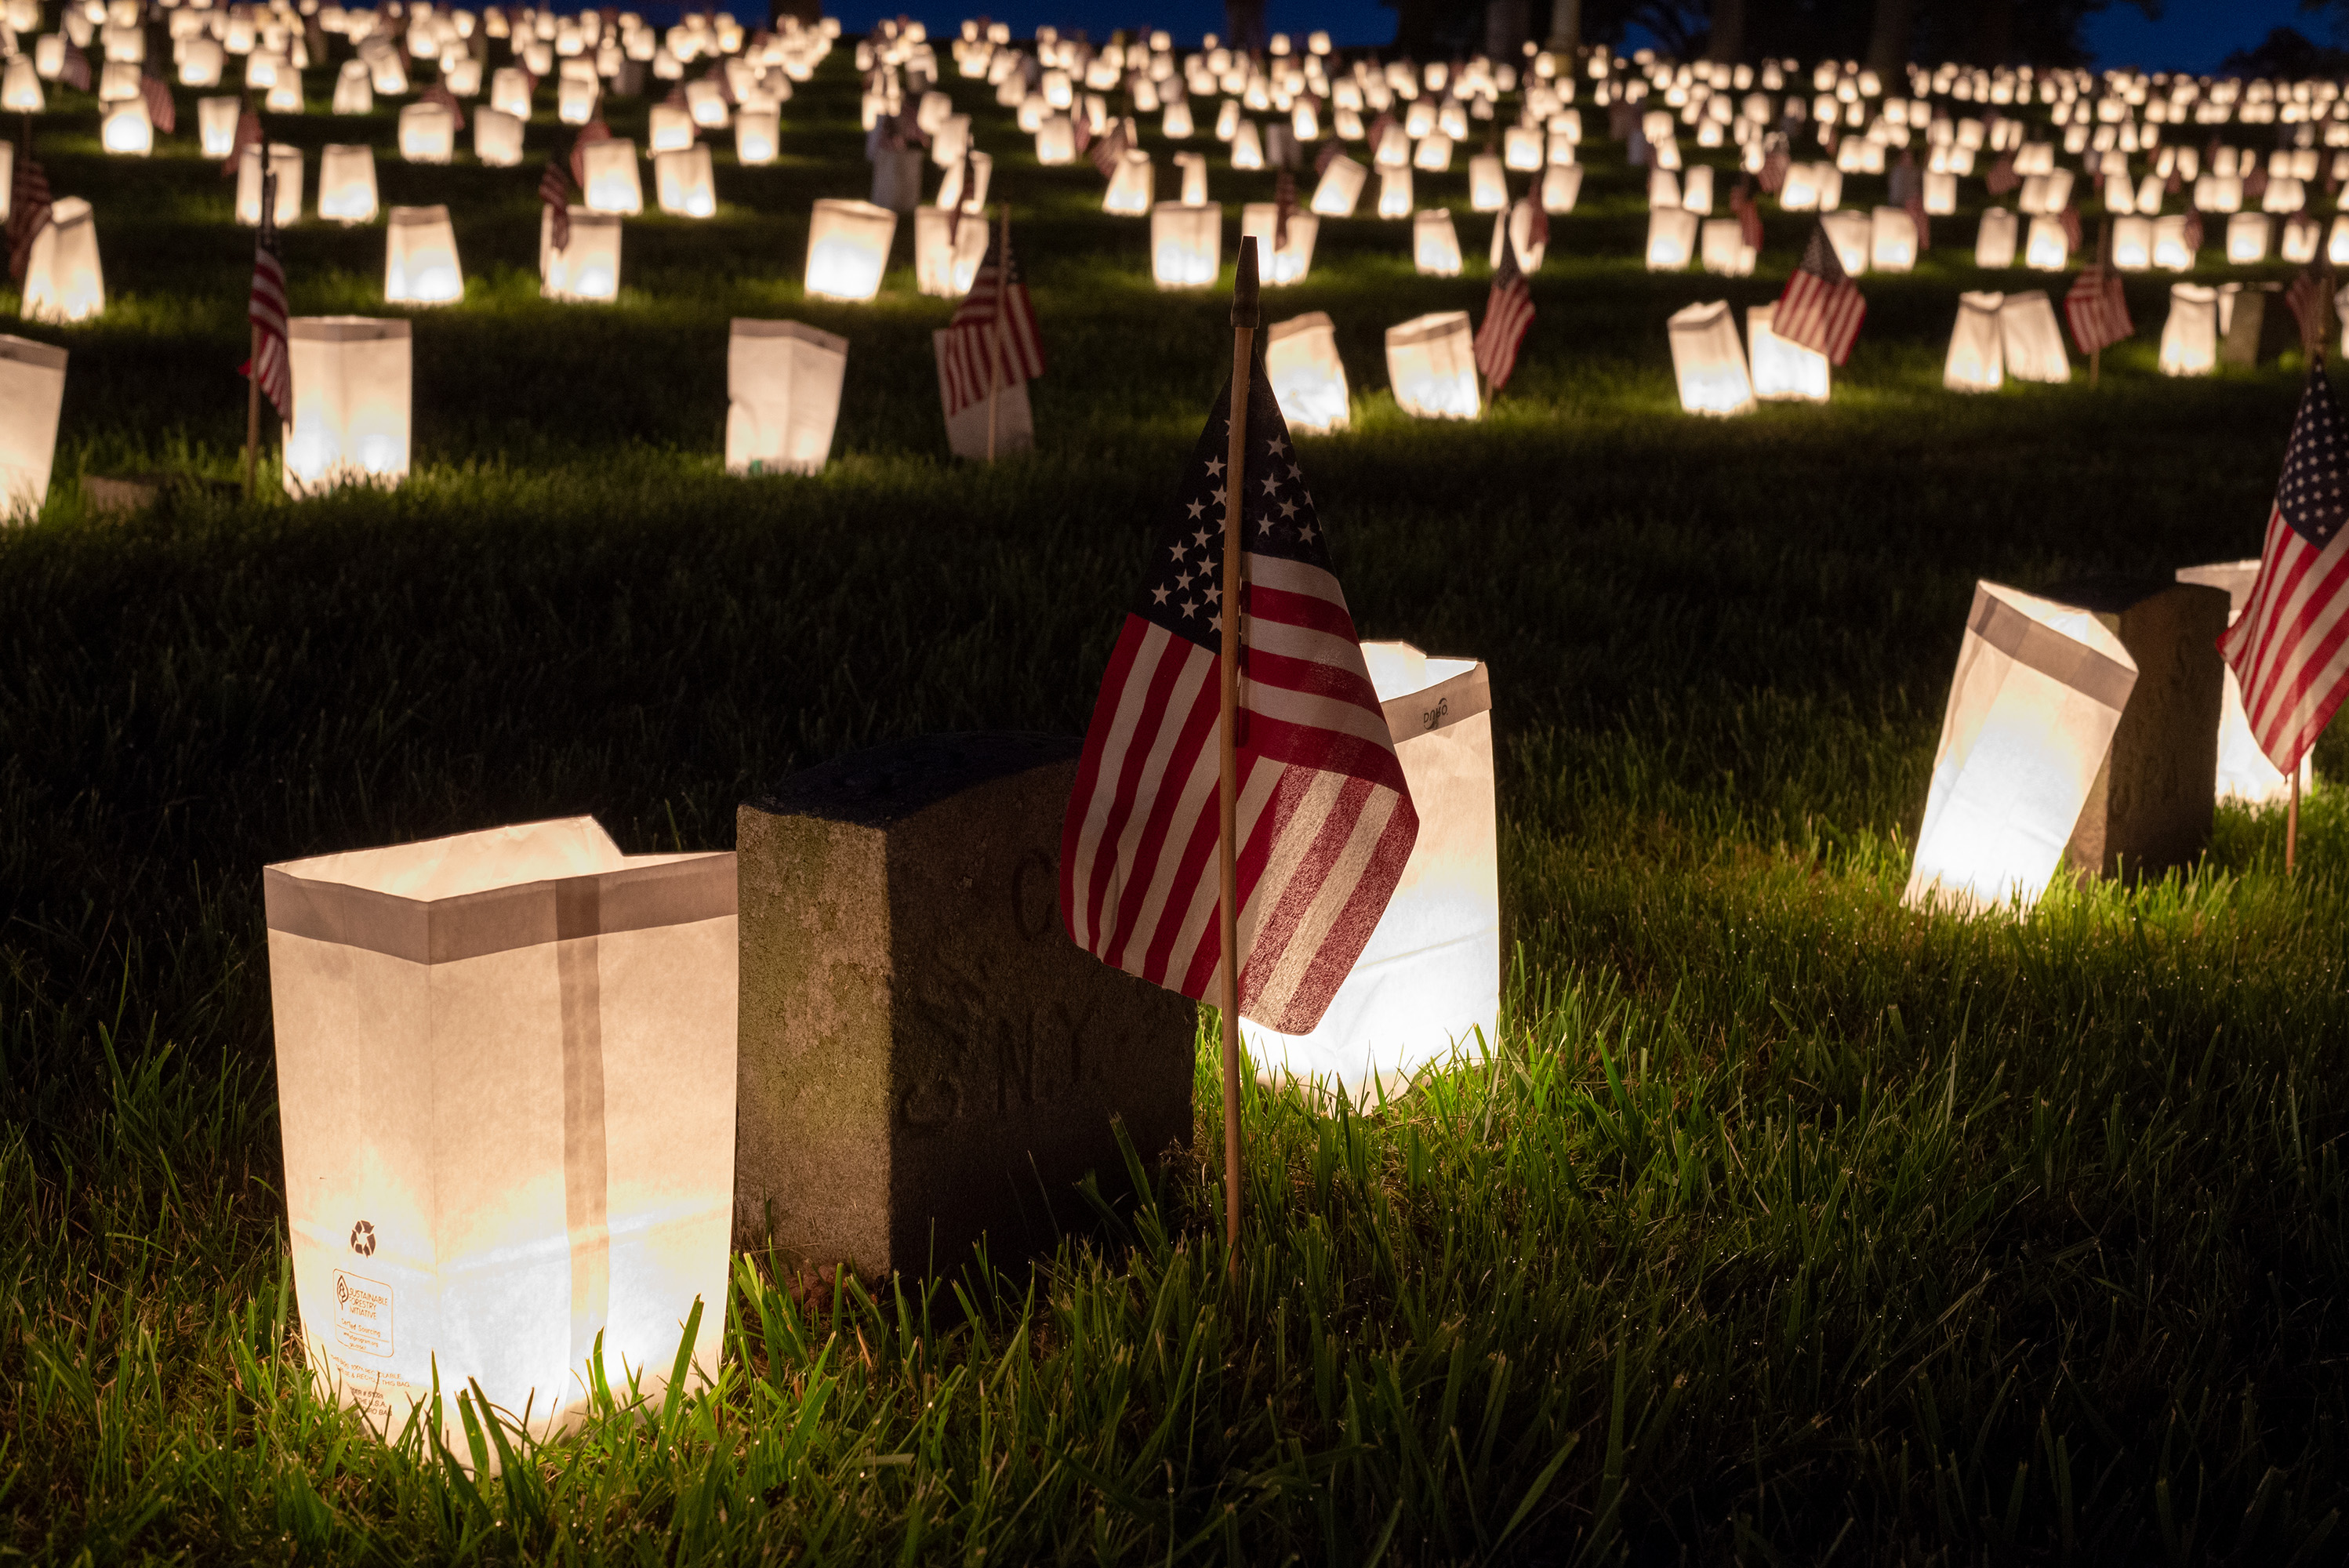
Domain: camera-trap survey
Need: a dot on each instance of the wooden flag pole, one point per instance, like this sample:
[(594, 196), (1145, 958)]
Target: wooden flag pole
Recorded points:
[(252, 354), (2291, 823), (994, 331), (1246, 314), (2313, 334)]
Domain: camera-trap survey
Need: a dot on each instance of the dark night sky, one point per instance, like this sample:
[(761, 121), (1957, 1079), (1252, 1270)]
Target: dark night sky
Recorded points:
[(2192, 35)]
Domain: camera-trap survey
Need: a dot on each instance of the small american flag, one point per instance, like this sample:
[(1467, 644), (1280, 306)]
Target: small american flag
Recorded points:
[(1284, 203), (594, 131), (1329, 150), (977, 357), (1776, 159), (75, 72), (1379, 129), (2193, 235), (1749, 216), (1822, 308), (438, 93), (1110, 150), (1508, 313), (2255, 183), (2001, 177), (2290, 647), (248, 134), (2068, 219), (1325, 822), (554, 189), (162, 112), (269, 366), (2096, 309), (28, 208)]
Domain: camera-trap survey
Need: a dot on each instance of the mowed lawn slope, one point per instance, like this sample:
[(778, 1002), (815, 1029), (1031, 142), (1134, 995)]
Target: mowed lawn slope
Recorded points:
[(1780, 1222)]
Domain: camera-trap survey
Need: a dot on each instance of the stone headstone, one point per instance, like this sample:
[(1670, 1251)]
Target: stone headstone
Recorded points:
[(2259, 326), (2150, 808), (926, 1058)]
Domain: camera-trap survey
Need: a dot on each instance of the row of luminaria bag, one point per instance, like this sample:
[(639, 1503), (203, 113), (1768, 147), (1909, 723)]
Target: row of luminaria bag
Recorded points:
[(2002, 336), (352, 403), (602, 989)]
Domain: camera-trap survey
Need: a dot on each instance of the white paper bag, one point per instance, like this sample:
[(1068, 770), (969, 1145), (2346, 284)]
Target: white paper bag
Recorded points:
[(1430, 976), (2245, 771), (31, 391), (783, 396), (2038, 692), (506, 1071), (1015, 426)]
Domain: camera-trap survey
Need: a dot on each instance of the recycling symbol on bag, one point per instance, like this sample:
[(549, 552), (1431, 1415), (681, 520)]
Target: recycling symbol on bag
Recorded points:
[(363, 1239)]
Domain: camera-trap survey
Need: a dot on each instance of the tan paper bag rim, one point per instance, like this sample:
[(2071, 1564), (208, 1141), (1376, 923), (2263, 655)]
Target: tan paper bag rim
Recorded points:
[(1441, 706), (2049, 652), (673, 892)]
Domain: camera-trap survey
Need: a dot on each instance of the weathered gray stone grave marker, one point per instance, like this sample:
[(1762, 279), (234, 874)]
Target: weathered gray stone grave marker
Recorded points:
[(2150, 808), (926, 1056)]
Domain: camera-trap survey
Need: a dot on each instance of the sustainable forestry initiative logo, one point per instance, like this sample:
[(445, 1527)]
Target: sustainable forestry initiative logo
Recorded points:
[(363, 1239)]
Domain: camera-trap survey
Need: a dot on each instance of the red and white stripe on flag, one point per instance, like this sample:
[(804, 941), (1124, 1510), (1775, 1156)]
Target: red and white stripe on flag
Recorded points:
[(1325, 822), (2097, 310), (2290, 647), (972, 359), (992, 338), (1821, 309), (271, 366), (1508, 313)]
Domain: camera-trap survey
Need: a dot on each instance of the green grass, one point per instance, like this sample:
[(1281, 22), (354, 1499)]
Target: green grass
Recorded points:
[(1780, 1223)]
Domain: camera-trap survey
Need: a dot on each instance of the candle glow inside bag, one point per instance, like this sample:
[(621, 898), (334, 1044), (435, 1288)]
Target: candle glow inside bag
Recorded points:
[(2037, 695), (1431, 367), (351, 378), (1430, 978), (506, 1082), (1308, 380), (2245, 771), (1708, 361), (31, 391), (783, 396), (848, 249)]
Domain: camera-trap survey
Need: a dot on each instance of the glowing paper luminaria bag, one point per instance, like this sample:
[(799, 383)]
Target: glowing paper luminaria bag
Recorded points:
[(1431, 975), (2037, 695), (506, 1076)]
